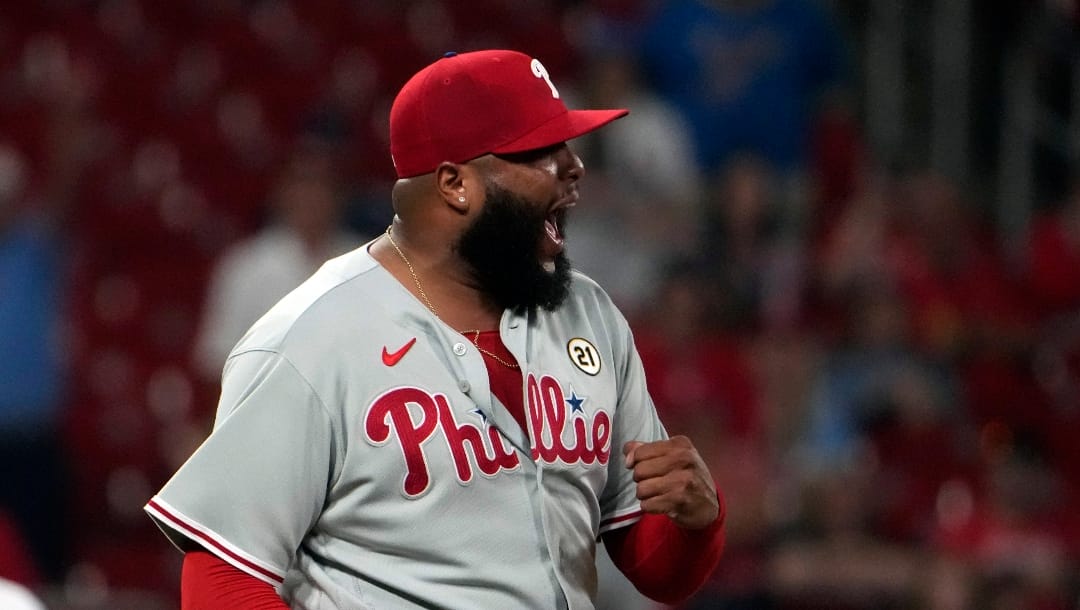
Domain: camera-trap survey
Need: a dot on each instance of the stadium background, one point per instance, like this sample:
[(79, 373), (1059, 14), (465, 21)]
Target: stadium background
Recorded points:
[(847, 235)]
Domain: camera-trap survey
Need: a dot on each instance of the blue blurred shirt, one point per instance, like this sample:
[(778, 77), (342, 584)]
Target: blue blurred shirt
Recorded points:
[(747, 79), (30, 366)]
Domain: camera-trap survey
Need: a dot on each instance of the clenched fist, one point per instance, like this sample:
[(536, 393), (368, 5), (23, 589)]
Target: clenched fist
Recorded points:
[(673, 480)]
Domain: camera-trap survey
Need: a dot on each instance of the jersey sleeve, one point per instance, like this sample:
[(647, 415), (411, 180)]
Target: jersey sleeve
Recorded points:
[(257, 484), (635, 419)]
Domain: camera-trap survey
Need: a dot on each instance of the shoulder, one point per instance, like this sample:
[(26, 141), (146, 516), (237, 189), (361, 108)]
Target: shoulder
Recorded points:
[(589, 304), (338, 295), (584, 289)]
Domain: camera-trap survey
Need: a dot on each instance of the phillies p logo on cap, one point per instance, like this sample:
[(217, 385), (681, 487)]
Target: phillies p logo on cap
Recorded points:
[(467, 105)]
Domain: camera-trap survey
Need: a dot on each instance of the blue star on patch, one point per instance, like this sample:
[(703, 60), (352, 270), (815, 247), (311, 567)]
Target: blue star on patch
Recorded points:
[(575, 402), (480, 414)]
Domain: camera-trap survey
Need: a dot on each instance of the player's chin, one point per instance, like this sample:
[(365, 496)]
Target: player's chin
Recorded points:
[(553, 289), (550, 259)]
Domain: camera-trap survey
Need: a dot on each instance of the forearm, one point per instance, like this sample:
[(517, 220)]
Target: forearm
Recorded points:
[(664, 561)]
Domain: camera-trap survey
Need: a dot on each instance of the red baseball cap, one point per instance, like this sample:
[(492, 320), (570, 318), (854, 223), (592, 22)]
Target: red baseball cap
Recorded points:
[(467, 105)]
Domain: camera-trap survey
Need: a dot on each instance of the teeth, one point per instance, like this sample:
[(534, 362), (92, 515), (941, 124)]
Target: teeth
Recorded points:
[(552, 230)]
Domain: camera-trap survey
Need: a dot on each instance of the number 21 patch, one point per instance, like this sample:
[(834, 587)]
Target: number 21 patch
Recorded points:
[(584, 355)]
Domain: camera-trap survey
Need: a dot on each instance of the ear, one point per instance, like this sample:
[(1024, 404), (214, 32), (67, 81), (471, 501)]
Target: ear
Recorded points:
[(450, 180)]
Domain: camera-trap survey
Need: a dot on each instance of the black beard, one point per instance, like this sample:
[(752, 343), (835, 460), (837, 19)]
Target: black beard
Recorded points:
[(500, 247)]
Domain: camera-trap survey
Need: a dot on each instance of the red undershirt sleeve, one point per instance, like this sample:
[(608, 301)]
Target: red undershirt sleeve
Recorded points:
[(664, 561), (207, 582)]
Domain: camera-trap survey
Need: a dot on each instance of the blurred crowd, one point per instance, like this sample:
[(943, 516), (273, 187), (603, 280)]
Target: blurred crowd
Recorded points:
[(885, 387)]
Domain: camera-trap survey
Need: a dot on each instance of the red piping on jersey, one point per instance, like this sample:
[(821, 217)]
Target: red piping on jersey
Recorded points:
[(205, 539), (616, 520)]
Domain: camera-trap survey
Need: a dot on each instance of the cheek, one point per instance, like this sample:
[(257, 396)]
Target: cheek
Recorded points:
[(541, 179), (550, 167), (535, 181)]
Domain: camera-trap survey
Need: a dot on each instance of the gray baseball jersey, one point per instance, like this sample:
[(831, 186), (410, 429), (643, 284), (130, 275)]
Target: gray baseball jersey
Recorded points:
[(360, 460)]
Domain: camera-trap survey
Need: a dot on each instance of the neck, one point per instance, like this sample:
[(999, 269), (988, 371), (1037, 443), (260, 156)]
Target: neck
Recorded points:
[(438, 279)]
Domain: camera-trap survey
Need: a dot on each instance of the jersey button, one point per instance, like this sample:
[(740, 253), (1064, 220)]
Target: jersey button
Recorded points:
[(459, 349), (464, 386)]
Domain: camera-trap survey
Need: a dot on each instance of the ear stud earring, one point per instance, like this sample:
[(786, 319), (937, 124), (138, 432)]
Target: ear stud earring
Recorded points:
[(461, 199)]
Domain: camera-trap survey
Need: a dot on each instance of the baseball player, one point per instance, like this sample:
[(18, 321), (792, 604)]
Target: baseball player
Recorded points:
[(448, 416)]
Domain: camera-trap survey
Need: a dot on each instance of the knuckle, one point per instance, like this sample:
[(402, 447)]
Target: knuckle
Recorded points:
[(686, 457), (684, 480), (644, 490)]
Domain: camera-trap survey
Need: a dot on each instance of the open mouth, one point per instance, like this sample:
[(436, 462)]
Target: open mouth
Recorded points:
[(556, 218), (551, 226)]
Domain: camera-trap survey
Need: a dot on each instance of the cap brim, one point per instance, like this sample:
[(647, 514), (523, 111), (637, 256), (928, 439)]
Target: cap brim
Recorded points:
[(564, 127)]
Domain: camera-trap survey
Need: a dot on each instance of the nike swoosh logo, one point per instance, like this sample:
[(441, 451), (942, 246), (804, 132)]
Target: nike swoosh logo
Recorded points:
[(390, 359)]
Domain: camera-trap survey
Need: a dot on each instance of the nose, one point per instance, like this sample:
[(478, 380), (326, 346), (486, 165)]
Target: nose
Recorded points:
[(570, 164)]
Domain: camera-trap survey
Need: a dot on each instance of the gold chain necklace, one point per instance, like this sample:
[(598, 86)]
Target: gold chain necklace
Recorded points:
[(427, 301)]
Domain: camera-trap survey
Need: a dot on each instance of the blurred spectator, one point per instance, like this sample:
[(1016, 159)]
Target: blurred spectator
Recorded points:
[(696, 368), (702, 381), (305, 230), (839, 158), (750, 75), (343, 119), (966, 304), (16, 563), (859, 245), (859, 384), (644, 188), (32, 369), (785, 366), (342, 115), (1013, 532), (1053, 258), (836, 560), (758, 263), (652, 161), (950, 269), (919, 441)]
